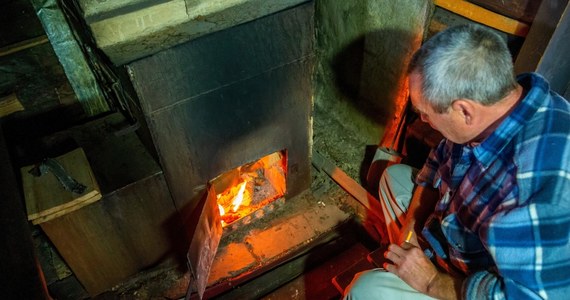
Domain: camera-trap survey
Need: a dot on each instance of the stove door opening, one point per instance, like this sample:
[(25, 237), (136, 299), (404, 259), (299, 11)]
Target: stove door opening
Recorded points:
[(245, 189)]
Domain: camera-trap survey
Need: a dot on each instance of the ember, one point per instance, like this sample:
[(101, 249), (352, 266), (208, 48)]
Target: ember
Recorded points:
[(250, 187)]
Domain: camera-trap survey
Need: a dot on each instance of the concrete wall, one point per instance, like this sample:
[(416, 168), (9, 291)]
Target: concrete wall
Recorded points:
[(362, 51)]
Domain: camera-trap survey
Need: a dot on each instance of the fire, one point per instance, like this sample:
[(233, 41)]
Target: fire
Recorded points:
[(249, 187), (239, 197), (233, 203)]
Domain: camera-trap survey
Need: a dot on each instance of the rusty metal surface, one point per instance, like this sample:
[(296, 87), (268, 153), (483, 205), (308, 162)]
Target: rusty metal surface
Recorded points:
[(205, 241)]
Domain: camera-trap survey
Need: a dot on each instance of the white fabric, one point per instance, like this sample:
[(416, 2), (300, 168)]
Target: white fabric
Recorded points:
[(378, 284), (396, 188)]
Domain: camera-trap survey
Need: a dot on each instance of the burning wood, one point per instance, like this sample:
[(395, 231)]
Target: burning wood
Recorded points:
[(256, 185)]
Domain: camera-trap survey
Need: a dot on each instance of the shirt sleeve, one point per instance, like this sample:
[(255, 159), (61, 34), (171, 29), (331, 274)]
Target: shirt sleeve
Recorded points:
[(531, 248)]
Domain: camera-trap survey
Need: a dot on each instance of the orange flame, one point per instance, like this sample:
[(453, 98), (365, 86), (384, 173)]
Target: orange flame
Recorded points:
[(239, 197), (250, 187)]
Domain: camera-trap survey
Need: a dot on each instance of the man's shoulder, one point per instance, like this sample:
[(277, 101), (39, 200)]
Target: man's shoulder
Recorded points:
[(541, 149), (552, 118)]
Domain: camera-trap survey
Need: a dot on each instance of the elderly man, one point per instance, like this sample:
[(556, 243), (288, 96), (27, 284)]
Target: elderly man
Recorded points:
[(488, 215)]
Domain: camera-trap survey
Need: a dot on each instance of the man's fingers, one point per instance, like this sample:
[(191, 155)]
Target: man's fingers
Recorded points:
[(390, 268), (397, 250), (392, 256)]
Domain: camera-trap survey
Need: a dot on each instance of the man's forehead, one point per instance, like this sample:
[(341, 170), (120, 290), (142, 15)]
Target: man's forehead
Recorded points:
[(418, 105)]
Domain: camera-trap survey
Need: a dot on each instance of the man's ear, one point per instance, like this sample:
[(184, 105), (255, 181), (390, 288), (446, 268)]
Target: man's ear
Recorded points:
[(466, 109)]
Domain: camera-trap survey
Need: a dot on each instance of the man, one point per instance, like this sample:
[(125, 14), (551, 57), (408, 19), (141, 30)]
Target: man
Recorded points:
[(489, 214)]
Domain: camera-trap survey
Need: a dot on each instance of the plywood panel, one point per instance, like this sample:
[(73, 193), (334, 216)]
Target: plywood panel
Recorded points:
[(106, 242), (46, 198)]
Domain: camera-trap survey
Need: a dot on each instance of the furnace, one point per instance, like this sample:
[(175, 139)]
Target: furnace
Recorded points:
[(229, 114)]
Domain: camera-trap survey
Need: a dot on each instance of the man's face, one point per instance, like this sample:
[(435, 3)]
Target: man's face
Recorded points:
[(450, 123)]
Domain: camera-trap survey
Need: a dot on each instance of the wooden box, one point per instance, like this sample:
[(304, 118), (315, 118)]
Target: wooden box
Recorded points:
[(124, 223)]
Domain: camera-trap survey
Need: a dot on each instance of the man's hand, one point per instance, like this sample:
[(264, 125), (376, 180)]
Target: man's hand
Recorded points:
[(411, 265)]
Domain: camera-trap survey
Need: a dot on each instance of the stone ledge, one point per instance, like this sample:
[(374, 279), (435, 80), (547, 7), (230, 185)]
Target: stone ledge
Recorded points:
[(143, 29)]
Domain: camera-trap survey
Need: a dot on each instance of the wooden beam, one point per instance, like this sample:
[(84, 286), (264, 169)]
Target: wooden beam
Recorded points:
[(540, 36), (555, 62), (10, 104), (484, 16), (349, 185), (521, 10), (23, 45)]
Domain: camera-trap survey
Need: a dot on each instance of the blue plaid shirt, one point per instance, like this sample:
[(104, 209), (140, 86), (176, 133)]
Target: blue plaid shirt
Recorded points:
[(503, 219)]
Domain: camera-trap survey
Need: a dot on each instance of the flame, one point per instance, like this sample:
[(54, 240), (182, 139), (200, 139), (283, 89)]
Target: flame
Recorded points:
[(250, 187), (239, 197)]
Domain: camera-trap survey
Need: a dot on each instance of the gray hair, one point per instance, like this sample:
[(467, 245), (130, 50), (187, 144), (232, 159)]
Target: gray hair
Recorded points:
[(466, 61)]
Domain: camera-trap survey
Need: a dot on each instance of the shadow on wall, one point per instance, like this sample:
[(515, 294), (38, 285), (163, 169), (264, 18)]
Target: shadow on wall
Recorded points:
[(370, 71)]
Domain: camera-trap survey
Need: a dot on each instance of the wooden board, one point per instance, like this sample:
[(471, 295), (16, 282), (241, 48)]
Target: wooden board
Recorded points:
[(484, 16), (125, 232), (544, 49), (348, 184), (45, 196), (374, 221), (522, 10), (133, 227), (10, 104), (23, 45)]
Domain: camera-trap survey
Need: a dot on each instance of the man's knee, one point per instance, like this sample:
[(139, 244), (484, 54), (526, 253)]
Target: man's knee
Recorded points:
[(379, 284), (398, 180), (362, 285), (399, 173)]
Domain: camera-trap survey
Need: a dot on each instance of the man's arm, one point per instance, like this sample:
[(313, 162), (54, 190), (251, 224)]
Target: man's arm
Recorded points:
[(413, 267), (410, 262), (421, 207)]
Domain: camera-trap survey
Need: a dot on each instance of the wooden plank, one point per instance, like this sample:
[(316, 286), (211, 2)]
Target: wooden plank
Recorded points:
[(125, 232), (373, 222), (350, 185), (521, 10), (10, 104), (45, 196), (555, 62), (23, 45), (86, 199), (539, 36), (484, 16)]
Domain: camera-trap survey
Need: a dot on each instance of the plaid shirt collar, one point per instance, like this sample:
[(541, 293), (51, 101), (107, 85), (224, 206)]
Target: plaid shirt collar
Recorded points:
[(537, 89)]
